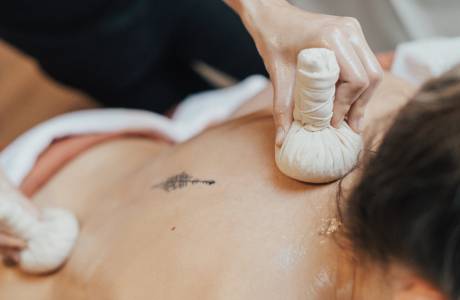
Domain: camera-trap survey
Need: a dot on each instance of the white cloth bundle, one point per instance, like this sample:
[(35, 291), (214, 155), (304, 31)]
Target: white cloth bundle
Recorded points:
[(422, 60), (314, 151), (191, 117), (50, 235)]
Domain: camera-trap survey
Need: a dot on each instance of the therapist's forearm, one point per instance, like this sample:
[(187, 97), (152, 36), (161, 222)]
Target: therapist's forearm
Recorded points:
[(256, 13)]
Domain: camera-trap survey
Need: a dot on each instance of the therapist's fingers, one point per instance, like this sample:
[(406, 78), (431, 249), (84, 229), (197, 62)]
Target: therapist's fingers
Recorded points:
[(353, 79), (11, 257), (374, 73), (8, 241), (283, 76), (10, 247)]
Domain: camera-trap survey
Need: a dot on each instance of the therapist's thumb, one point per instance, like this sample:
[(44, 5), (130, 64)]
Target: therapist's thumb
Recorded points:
[(283, 82)]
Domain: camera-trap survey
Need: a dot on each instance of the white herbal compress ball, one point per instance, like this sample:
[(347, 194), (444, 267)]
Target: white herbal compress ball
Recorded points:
[(314, 151), (50, 237)]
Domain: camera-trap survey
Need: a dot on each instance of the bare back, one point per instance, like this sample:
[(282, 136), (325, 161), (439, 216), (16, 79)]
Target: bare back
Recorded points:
[(209, 219)]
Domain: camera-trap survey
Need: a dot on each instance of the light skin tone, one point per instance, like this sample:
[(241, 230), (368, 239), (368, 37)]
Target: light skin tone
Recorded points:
[(268, 22), (252, 234), (281, 31)]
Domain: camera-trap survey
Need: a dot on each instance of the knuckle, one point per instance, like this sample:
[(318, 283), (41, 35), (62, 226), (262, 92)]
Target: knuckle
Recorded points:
[(359, 84), (376, 76), (281, 110), (351, 22), (342, 26), (332, 31)]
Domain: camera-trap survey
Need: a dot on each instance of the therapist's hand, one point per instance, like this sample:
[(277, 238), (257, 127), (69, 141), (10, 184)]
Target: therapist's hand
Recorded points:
[(10, 246), (281, 31)]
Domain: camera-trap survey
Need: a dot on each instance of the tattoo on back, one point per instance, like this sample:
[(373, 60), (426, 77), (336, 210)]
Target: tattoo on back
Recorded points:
[(181, 181)]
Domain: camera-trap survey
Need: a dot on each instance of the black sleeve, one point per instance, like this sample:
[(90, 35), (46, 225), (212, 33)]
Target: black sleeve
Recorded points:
[(131, 53), (104, 47)]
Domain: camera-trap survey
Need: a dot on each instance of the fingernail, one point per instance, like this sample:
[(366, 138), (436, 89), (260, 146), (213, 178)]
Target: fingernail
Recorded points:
[(279, 136)]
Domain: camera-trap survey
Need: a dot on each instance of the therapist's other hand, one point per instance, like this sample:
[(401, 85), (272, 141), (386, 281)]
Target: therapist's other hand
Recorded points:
[(10, 246), (281, 30)]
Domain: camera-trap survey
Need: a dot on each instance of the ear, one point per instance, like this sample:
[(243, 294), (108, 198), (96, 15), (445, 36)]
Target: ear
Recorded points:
[(414, 288)]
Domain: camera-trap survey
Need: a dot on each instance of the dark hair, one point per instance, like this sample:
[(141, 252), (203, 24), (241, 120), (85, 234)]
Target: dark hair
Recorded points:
[(406, 207)]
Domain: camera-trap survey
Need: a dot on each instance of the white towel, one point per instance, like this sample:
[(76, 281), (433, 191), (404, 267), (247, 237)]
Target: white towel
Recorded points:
[(425, 59), (192, 117)]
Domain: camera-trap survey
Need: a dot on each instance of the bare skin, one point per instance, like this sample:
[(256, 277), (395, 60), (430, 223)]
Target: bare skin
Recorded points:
[(238, 229), (28, 97)]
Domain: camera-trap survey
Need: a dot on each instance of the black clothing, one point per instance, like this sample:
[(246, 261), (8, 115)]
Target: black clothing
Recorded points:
[(131, 53)]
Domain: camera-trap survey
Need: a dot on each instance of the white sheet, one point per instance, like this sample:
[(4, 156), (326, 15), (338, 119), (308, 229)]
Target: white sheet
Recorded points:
[(422, 60)]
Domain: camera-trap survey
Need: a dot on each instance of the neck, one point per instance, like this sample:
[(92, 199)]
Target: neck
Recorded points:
[(358, 281)]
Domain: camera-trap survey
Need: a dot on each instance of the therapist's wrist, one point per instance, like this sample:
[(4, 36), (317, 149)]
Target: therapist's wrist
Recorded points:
[(255, 13), (248, 9)]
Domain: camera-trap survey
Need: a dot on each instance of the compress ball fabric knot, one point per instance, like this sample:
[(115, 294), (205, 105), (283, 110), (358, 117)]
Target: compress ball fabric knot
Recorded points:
[(314, 151)]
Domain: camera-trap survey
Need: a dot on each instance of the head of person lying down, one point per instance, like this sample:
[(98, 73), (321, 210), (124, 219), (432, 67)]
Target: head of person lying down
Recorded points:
[(404, 214), (213, 218)]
